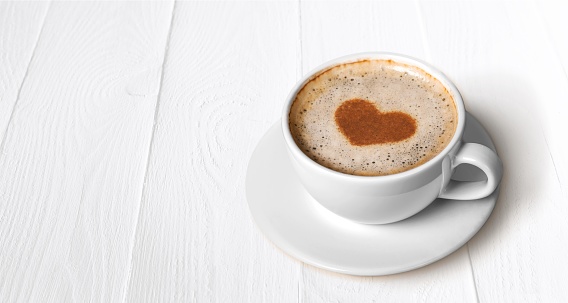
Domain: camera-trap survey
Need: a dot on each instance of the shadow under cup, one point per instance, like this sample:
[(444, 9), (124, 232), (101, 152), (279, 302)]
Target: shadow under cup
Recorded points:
[(393, 197)]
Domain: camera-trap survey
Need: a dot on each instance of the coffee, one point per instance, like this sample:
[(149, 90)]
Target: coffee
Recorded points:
[(373, 117)]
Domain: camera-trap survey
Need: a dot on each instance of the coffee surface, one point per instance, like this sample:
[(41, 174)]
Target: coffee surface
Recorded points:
[(373, 118)]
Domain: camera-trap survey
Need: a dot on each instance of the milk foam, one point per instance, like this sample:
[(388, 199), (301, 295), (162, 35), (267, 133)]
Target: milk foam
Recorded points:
[(391, 87)]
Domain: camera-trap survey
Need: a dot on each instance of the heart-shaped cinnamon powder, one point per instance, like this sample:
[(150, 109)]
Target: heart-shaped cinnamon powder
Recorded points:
[(363, 124)]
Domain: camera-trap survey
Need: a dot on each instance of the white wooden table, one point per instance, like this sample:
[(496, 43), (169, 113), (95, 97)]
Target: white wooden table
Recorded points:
[(126, 129)]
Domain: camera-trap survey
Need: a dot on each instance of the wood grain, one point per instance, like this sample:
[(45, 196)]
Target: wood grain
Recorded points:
[(331, 30), (229, 66), (499, 56), (72, 165), (20, 25)]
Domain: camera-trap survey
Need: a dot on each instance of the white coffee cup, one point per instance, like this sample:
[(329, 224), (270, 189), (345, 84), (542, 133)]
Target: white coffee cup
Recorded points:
[(391, 198)]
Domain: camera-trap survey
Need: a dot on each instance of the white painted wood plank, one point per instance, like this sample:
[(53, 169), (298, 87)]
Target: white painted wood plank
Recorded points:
[(553, 16), (229, 67), (20, 25), (73, 163), (499, 56), (334, 29)]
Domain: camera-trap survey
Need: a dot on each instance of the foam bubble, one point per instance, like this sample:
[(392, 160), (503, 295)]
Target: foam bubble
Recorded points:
[(390, 87)]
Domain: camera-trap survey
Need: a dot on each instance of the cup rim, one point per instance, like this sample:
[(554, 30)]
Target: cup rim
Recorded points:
[(404, 59)]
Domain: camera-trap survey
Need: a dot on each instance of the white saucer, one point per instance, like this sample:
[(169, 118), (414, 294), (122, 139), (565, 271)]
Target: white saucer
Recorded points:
[(304, 229)]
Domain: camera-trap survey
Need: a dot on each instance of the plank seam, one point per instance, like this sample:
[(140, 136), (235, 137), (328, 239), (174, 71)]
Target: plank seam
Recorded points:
[(156, 112), (23, 81), (548, 38), (300, 55), (553, 164), (550, 41), (301, 72), (422, 31), (472, 274)]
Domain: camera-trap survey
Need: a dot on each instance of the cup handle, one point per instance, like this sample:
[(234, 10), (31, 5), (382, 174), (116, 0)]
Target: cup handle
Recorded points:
[(485, 159)]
